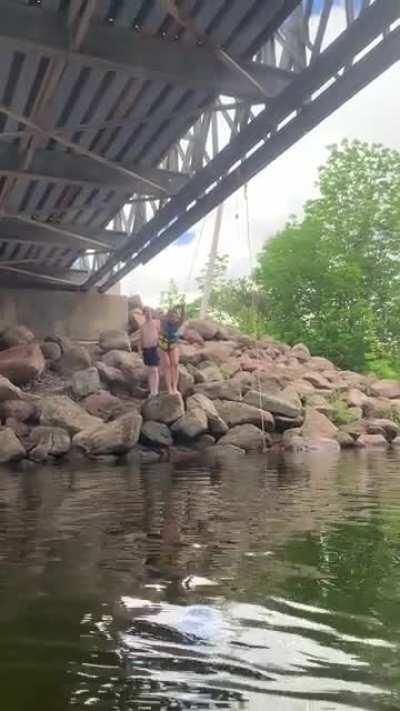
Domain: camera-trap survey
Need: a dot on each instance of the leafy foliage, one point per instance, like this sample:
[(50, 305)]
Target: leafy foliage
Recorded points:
[(332, 279)]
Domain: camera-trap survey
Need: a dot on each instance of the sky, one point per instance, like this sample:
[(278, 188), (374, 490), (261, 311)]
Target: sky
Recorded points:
[(274, 194)]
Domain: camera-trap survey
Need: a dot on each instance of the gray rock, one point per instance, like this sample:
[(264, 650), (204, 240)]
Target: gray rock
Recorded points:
[(22, 364), (228, 390), (316, 426), (207, 328), (85, 382), (247, 437), (11, 448), (240, 413), (216, 424), (61, 411), (104, 405), (51, 351), (185, 381), (46, 442), (372, 441), (21, 410), (15, 336), (271, 403), (114, 340), (211, 373), (191, 425), (73, 358), (220, 455), (163, 408), (156, 433), (115, 437), (9, 391)]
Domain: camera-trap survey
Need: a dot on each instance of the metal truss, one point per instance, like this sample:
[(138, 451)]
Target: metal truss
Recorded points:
[(233, 140)]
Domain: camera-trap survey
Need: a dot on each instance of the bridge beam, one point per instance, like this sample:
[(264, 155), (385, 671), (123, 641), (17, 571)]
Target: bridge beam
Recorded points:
[(64, 168), (122, 50), (22, 228)]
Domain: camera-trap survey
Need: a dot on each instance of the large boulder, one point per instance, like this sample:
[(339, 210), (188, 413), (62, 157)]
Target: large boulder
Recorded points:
[(278, 405), (104, 405), (114, 340), (9, 391), (389, 429), (386, 388), (240, 413), (222, 455), (317, 380), (163, 408), (372, 441), (211, 373), (22, 364), (47, 442), (185, 380), (61, 411), (207, 328), (11, 448), (112, 377), (301, 352), (15, 336), (85, 382), (130, 365), (218, 351), (156, 434), (51, 351), (74, 358), (317, 427), (192, 336), (356, 398), (216, 424), (227, 390), (20, 410), (191, 425), (115, 437), (247, 437), (316, 363)]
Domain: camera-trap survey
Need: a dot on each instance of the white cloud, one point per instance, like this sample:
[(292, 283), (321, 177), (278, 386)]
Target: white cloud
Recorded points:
[(277, 192)]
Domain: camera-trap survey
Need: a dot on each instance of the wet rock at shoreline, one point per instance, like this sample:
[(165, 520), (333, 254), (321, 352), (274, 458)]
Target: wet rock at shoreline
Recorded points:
[(115, 437), (11, 448), (247, 437), (48, 442)]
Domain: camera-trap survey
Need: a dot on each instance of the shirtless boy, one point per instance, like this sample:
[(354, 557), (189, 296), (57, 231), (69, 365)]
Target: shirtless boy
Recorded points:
[(149, 335)]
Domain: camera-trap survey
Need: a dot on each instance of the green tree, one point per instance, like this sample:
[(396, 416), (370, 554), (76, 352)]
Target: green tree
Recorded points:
[(171, 297), (332, 278)]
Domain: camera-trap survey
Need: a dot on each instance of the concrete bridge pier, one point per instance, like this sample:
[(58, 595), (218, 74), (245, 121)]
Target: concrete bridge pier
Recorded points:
[(80, 316)]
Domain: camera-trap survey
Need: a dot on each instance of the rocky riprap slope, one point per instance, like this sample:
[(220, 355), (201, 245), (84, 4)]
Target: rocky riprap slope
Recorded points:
[(62, 399)]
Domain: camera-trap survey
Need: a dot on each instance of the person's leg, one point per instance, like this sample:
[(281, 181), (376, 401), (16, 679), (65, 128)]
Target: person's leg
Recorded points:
[(174, 369), (152, 376), (166, 367)]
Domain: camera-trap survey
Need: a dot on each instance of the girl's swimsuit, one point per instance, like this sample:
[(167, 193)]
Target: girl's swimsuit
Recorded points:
[(168, 336)]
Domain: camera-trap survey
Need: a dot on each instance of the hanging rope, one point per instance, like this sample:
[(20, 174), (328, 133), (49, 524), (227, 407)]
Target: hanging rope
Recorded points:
[(254, 311), (194, 256)]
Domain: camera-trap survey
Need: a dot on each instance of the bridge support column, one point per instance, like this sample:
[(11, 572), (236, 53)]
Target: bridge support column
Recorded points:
[(80, 316)]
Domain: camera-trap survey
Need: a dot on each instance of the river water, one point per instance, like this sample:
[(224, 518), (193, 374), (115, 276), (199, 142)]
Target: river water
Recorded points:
[(267, 584)]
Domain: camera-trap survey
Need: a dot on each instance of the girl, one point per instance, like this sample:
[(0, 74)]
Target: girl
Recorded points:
[(168, 344)]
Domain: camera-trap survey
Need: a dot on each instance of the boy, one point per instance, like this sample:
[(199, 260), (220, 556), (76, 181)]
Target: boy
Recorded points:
[(148, 344)]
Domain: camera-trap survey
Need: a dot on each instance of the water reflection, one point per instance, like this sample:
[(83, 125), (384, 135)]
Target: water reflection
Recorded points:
[(270, 584)]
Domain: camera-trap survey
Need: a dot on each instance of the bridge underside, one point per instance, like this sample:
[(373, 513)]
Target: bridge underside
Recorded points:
[(146, 114)]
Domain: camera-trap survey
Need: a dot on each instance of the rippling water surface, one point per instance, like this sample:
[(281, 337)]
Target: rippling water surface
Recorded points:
[(270, 584)]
